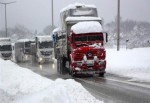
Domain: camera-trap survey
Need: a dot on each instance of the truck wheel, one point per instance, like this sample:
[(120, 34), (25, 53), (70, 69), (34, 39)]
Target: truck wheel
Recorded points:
[(17, 60), (58, 68), (72, 74), (60, 65), (101, 74)]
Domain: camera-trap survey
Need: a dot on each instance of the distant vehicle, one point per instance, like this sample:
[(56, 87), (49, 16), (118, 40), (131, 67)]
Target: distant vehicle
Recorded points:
[(44, 49), (80, 41), (5, 48), (21, 50)]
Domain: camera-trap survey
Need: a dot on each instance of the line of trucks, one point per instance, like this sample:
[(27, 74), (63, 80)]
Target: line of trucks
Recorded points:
[(41, 49), (79, 41)]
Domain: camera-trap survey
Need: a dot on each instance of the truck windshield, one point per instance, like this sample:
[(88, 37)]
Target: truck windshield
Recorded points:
[(5, 48), (46, 44), (27, 44), (89, 38)]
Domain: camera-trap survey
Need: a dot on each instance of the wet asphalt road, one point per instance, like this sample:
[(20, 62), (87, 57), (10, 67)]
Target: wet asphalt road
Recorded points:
[(111, 88)]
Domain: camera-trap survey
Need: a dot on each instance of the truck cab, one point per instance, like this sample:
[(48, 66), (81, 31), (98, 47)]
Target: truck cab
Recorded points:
[(44, 49), (21, 50), (87, 52), (5, 48)]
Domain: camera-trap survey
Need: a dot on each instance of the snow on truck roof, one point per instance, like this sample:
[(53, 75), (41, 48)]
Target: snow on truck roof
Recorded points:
[(56, 30), (44, 38), (87, 27), (5, 41), (23, 40), (82, 18), (73, 6)]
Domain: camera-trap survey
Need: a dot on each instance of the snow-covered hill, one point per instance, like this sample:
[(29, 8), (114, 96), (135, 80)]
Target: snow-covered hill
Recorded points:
[(137, 34)]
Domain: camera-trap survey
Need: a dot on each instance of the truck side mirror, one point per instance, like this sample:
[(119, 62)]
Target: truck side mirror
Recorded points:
[(106, 37), (70, 39), (105, 34)]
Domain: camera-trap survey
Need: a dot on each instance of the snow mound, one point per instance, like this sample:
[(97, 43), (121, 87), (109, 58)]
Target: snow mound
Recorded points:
[(60, 91), (87, 27), (20, 85), (15, 79)]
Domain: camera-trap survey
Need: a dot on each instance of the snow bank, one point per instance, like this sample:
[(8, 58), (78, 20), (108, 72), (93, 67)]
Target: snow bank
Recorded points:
[(20, 85), (87, 27), (15, 79), (134, 63)]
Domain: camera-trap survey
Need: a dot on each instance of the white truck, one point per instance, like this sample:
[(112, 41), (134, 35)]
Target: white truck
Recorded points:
[(5, 48), (44, 49), (21, 50)]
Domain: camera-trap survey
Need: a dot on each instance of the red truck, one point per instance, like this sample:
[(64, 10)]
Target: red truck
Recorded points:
[(79, 45)]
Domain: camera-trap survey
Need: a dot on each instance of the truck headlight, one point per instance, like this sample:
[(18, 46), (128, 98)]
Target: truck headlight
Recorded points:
[(84, 59), (95, 58), (101, 62), (40, 59)]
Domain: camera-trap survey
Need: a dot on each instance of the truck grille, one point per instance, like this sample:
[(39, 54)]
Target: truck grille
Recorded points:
[(6, 54), (46, 53), (91, 54)]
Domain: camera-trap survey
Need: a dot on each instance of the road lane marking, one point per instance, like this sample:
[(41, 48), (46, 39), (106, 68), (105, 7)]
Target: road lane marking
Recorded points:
[(126, 82)]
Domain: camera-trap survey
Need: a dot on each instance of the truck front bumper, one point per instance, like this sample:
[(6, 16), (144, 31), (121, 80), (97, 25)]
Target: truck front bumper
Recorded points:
[(91, 66), (45, 59)]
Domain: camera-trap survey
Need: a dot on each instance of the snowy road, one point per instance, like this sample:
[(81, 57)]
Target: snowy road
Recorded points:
[(111, 89)]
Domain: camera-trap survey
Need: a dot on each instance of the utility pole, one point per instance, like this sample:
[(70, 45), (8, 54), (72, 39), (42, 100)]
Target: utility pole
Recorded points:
[(5, 4), (126, 43), (118, 26), (52, 15)]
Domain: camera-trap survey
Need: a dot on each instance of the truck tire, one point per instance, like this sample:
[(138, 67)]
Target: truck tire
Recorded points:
[(55, 53), (72, 74), (60, 65), (58, 68), (17, 59), (101, 74)]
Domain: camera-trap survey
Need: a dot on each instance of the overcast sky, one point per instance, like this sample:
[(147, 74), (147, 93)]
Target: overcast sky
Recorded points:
[(36, 14)]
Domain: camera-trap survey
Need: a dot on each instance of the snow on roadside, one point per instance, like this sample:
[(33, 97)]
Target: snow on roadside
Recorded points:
[(20, 85), (15, 79), (132, 63)]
